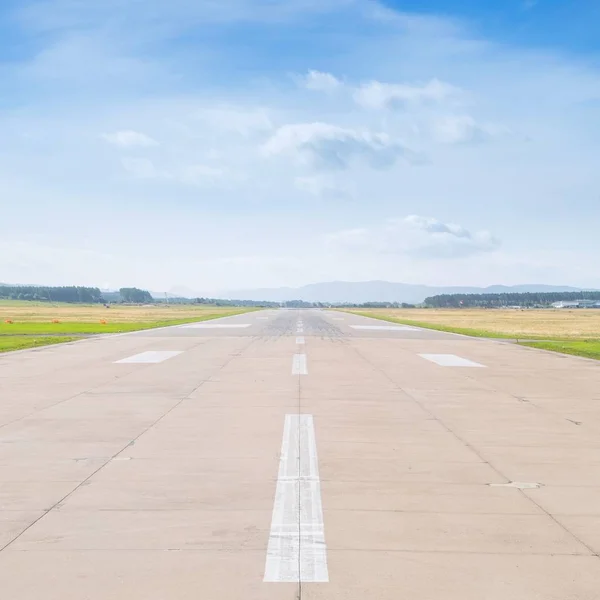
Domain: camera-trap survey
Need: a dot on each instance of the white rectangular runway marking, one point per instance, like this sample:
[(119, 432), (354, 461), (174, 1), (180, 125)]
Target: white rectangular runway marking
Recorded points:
[(151, 356), (300, 340), (450, 360), (216, 326), (297, 551), (384, 327), (300, 330), (299, 365)]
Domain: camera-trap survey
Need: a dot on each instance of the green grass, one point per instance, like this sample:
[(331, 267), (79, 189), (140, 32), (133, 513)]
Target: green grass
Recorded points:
[(586, 348), (36, 328), (8, 343)]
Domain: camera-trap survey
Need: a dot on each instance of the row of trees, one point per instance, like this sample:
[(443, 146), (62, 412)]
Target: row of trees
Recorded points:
[(222, 302), (507, 299), (135, 296), (377, 305), (73, 294), (87, 295)]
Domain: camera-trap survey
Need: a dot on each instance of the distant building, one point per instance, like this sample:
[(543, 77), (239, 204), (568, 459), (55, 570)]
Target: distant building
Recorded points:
[(563, 304), (577, 304)]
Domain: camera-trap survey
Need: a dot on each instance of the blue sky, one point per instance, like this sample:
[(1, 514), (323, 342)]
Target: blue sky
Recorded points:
[(242, 143)]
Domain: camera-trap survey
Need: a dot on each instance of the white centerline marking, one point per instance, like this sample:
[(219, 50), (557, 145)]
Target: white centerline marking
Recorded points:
[(297, 550), (300, 340), (338, 318), (300, 330), (299, 365), (384, 327), (450, 360), (216, 326), (520, 485), (151, 356)]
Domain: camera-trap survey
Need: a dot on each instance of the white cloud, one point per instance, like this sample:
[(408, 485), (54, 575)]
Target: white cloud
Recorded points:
[(415, 236), (325, 146), (461, 129), (321, 82), (378, 95), (129, 139)]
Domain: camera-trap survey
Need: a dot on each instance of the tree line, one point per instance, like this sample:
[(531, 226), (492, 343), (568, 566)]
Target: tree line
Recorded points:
[(73, 294), (525, 299), (224, 302), (135, 296), (86, 295)]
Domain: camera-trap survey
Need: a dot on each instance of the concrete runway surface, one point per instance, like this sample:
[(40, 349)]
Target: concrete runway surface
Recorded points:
[(298, 454)]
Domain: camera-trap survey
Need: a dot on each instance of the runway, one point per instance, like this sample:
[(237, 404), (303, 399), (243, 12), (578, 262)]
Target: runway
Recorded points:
[(289, 454)]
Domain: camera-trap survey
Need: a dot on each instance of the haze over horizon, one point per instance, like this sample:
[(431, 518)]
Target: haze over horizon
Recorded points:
[(251, 143)]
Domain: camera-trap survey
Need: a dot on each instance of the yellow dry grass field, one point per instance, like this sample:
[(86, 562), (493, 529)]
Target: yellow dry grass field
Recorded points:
[(21, 312), (549, 323)]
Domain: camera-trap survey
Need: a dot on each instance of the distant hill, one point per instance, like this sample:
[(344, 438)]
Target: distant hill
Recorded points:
[(379, 291)]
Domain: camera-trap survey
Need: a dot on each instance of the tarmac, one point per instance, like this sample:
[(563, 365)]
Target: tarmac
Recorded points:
[(289, 454)]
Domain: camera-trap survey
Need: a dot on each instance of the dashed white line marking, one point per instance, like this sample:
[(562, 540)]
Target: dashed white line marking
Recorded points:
[(450, 360), (151, 356), (297, 550), (383, 327), (300, 340), (216, 326), (520, 485), (299, 365), (263, 318)]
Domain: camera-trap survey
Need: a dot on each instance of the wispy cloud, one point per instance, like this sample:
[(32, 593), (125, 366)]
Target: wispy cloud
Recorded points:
[(326, 146), (378, 95), (320, 82), (129, 139), (416, 236), (462, 129)]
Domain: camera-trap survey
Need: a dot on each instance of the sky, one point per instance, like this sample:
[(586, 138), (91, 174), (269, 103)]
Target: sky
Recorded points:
[(215, 145)]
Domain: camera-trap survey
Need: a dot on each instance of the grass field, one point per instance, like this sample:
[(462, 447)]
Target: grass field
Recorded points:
[(569, 331), (587, 348), (27, 324), (9, 343)]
